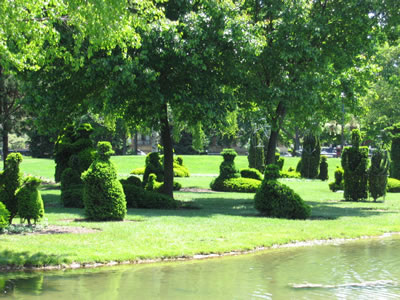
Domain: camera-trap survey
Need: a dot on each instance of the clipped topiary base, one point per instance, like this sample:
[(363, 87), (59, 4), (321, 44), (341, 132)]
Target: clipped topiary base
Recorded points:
[(277, 200), (240, 185)]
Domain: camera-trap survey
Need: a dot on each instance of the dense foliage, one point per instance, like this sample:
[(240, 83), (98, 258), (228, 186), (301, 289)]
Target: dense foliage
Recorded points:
[(378, 174), (310, 157), (10, 181), (338, 184), (153, 166), (103, 196), (251, 173), (323, 168), (277, 200), (30, 203), (355, 163), (279, 161), (4, 216), (394, 132), (393, 185), (256, 153)]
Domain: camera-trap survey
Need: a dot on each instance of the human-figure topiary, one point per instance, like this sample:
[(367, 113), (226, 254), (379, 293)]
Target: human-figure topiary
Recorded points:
[(153, 166), (4, 216), (10, 181), (280, 161), (378, 174), (277, 200), (103, 195), (310, 157), (323, 168), (355, 163), (338, 183), (256, 153), (30, 203)]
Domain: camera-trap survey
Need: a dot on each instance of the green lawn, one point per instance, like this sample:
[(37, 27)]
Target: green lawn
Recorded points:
[(223, 222)]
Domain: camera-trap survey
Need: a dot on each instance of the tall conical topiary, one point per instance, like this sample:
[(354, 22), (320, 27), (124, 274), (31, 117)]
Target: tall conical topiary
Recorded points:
[(256, 153), (103, 195), (394, 133), (355, 163), (310, 157), (378, 174), (11, 180), (323, 168)]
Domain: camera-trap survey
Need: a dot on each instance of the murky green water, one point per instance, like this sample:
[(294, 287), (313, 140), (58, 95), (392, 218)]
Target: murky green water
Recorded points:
[(357, 270)]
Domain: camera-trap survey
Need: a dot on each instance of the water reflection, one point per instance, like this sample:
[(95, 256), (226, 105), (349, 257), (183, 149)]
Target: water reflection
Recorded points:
[(361, 270)]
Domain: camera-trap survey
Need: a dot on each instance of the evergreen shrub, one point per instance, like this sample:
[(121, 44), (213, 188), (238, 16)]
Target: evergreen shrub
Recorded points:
[(280, 161), (30, 203), (251, 173), (103, 195), (155, 186), (323, 168), (153, 166), (256, 153), (355, 163), (239, 185), (394, 132), (290, 174), (378, 174), (310, 157), (277, 200), (10, 182), (338, 184), (138, 171), (393, 185), (4, 216)]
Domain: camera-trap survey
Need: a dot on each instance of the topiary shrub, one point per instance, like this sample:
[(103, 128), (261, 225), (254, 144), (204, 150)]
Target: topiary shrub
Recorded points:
[(394, 133), (355, 163), (277, 200), (155, 186), (393, 185), (132, 180), (299, 166), (251, 173), (378, 174), (338, 184), (310, 157), (138, 171), (280, 161), (256, 153), (103, 195), (73, 196), (10, 182), (239, 185), (180, 169), (4, 216), (153, 166), (137, 197), (289, 174), (323, 168), (227, 170), (30, 203)]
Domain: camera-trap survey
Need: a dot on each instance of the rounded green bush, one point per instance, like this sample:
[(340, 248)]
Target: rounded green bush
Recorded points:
[(11, 180), (271, 172), (30, 203), (289, 174), (277, 200), (138, 171), (103, 195), (132, 180), (251, 173), (393, 185), (338, 184), (4, 216)]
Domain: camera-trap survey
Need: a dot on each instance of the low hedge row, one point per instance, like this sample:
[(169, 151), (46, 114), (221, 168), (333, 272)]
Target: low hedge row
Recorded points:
[(240, 185)]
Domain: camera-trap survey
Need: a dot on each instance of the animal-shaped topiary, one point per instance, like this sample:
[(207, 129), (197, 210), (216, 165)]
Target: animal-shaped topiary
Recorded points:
[(277, 200), (10, 181), (103, 195), (153, 166), (4, 216), (30, 203)]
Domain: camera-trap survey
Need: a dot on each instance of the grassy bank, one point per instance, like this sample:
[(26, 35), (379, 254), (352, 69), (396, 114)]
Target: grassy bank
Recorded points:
[(223, 222)]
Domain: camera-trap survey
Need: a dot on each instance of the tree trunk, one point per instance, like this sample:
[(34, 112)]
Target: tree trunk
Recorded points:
[(276, 127), (168, 154), (135, 139)]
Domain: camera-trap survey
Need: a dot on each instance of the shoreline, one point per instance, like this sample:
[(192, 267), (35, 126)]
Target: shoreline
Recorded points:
[(297, 244)]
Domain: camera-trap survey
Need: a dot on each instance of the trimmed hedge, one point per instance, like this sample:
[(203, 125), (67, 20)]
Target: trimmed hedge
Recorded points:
[(394, 133), (239, 185), (289, 174), (277, 200), (103, 195), (138, 171), (180, 169), (393, 185), (11, 179), (4, 216), (155, 186), (251, 173), (355, 163), (30, 203)]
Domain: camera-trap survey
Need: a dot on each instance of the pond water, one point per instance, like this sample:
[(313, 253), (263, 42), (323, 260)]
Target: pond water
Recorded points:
[(355, 270)]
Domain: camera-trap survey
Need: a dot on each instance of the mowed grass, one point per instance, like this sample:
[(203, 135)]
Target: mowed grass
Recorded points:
[(222, 222)]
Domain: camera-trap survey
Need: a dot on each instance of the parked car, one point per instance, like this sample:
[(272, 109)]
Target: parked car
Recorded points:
[(328, 152)]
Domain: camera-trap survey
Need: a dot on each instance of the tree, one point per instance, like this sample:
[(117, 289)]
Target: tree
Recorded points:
[(308, 45)]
